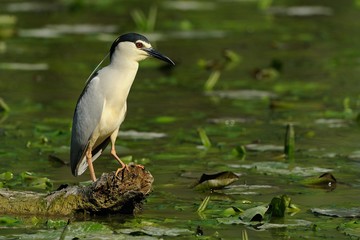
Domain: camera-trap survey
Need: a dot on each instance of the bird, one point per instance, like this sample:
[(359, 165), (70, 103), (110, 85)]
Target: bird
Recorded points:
[(102, 105)]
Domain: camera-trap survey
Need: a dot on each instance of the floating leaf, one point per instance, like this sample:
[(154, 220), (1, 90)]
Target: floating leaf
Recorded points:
[(217, 180), (31, 180), (263, 147), (332, 122), (325, 180), (141, 135), (266, 73), (232, 211), (24, 66), (254, 214), (338, 212), (9, 221), (242, 94), (301, 11), (56, 223), (165, 119), (157, 231), (295, 224), (284, 169), (6, 176), (351, 228)]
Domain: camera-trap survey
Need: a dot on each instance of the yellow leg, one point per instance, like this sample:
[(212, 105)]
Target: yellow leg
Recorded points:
[(89, 162), (123, 165)]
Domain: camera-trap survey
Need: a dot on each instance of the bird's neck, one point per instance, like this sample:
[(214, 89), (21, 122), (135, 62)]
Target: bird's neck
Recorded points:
[(124, 72)]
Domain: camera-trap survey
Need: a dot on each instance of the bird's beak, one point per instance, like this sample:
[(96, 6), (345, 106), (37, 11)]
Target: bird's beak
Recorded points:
[(152, 52)]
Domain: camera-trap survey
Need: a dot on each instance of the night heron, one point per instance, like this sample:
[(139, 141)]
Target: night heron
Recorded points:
[(101, 107)]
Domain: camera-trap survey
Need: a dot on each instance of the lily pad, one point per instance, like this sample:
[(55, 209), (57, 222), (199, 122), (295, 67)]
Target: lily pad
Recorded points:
[(301, 11), (355, 155), (338, 212), (157, 231), (246, 189), (27, 179), (8, 221), (6, 176), (55, 31), (351, 228), (326, 180), (242, 94), (254, 214), (290, 224), (284, 169), (133, 134), (264, 147), (217, 180), (332, 123), (24, 66)]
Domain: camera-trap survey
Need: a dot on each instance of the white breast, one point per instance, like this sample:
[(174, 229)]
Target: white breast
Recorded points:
[(115, 84)]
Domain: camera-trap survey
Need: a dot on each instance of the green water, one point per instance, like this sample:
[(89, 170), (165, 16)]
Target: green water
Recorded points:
[(320, 58)]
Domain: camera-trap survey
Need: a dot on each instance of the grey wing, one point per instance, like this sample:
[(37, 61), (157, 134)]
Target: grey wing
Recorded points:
[(86, 117)]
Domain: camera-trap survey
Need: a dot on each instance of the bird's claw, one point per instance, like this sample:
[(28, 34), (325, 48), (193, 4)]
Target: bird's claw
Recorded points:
[(121, 169), (127, 168)]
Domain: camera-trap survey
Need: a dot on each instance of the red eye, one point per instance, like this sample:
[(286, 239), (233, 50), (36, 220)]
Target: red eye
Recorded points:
[(139, 45)]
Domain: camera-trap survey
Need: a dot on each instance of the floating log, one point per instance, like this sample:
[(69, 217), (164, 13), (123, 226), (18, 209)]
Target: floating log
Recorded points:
[(123, 193)]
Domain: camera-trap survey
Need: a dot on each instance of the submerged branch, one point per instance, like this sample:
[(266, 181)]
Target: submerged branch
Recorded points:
[(109, 194)]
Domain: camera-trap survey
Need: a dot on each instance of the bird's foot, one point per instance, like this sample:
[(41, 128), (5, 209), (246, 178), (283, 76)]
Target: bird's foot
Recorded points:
[(125, 166)]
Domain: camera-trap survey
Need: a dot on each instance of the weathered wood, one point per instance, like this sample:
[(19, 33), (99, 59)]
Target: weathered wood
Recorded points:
[(123, 193)]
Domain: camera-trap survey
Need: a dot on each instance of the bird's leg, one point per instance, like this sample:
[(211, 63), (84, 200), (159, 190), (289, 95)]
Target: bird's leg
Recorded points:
[(113, 152), (90, 164), (123, 165)]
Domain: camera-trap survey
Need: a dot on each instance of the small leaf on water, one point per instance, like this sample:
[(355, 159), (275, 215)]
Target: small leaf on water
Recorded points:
[(338, 212), (325, 180), (165, 119), (31, 180), (232, 211), (263, 147), (6, 220), (6, 176), (141, 135), (56, 223), (156, 231), (254, 214), (216, 181), (351, 228)]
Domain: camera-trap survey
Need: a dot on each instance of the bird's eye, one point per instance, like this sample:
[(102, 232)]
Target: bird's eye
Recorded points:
[(139, 45)]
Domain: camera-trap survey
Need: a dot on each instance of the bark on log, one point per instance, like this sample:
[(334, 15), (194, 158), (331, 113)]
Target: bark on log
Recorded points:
[(123, 193)]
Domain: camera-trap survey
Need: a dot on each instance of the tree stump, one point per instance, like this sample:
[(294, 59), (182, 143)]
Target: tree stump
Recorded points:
[(123, 193)]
